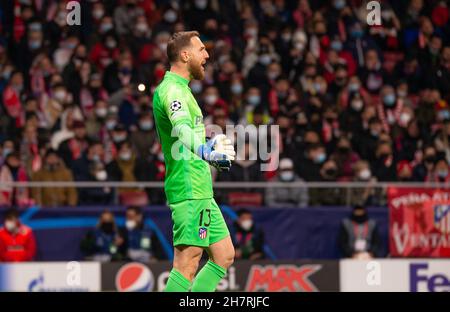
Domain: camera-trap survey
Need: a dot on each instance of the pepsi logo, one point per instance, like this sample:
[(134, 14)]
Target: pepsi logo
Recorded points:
[(134, 277)]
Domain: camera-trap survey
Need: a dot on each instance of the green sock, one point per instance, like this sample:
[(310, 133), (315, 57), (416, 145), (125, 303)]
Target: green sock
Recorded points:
[(209, 277), (177, 282)]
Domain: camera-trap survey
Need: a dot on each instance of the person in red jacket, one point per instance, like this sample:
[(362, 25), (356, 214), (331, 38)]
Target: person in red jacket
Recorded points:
[(17, 243)]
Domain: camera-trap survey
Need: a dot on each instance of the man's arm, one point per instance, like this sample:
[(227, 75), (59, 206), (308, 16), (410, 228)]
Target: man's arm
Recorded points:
[(218, 151)]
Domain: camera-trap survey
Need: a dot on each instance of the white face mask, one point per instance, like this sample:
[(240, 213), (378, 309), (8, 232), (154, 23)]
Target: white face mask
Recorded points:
[(236, 88), (287, 175), (357, 105), (101, 112), (246, 224), (170, 16), (365, 174), (142, 27), (265, 59), (119, 138), (60, 95), (101, 175), (211, 99), (405, 118), (130, 224), (201, 4), (162, 47), (110, 124), (125, 156), (196, 87), (10, 225), (98, 14)]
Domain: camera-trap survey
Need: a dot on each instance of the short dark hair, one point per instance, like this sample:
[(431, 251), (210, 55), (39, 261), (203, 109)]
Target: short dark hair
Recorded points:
[(136, 209), (11, 213), (243, 211), (51, 151), (178, 41), (359, 206)]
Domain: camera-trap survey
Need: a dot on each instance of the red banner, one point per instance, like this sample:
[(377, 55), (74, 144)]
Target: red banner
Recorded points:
[(419, 222)]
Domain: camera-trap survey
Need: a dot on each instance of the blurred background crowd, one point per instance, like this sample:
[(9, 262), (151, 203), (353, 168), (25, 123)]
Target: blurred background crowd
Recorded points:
[(353, 102)]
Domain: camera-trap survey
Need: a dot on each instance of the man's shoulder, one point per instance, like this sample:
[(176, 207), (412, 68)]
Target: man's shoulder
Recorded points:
[(25, 230), (169, 87)]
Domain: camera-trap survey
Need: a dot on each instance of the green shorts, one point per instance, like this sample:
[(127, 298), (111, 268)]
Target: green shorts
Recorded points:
[(197, 222)]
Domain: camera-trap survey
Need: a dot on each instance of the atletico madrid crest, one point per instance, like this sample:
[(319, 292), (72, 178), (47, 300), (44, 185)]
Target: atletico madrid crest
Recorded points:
[(202, 232)]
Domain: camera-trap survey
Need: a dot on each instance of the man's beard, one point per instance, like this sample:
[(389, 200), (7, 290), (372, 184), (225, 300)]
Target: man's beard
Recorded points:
[(196, 71)]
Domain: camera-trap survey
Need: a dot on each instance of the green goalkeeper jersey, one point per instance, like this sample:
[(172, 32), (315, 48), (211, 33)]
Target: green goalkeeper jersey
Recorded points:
[(187, 176)]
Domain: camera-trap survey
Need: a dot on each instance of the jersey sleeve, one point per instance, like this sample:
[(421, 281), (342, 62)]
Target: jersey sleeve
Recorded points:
[(175, 104)]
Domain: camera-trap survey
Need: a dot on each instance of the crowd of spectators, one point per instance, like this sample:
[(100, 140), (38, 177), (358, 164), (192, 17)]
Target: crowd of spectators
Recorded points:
[(354, 102)]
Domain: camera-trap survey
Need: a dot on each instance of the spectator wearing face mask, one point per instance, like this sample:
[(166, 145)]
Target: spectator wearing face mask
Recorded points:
[(72, 149), (6, 148), (199, 11), (372, 75), (212, 100), (55, 171), (102, 244), (389, 109), (425, 168), (92, 93), (259, 74), (12, 100), (354, 96), (140, 42), (384, 166), (327, 196), (120, 74), (440, 173), (340, 81), (283, 99), (125, 16), (123, 168), (17, 242), (33, 44), (91, 167), (139, 242), (358, 235), (104, 51), (366, 142), (441, 74), (345, 158), (13, 171), (144, 137), (350, 119), (287, 197), (95, 123), (251, 103), (367, 194), (119, 134), (408, 144), (309, 168), (248, 239)]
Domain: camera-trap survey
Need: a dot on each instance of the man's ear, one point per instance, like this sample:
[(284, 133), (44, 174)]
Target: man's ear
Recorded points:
[(185, 56)]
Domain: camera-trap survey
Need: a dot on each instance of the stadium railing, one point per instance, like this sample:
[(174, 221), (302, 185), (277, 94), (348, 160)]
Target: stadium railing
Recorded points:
[(319, 193)]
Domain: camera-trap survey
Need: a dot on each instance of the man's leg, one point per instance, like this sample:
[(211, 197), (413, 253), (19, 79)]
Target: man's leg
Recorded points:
[(221, 257), (185, 265)]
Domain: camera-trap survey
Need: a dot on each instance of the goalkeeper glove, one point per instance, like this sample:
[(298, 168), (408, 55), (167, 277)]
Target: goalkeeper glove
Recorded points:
[(218, 152)]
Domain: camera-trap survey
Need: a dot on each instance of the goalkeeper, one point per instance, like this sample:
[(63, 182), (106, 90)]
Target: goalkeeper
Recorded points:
[(198, 223)]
